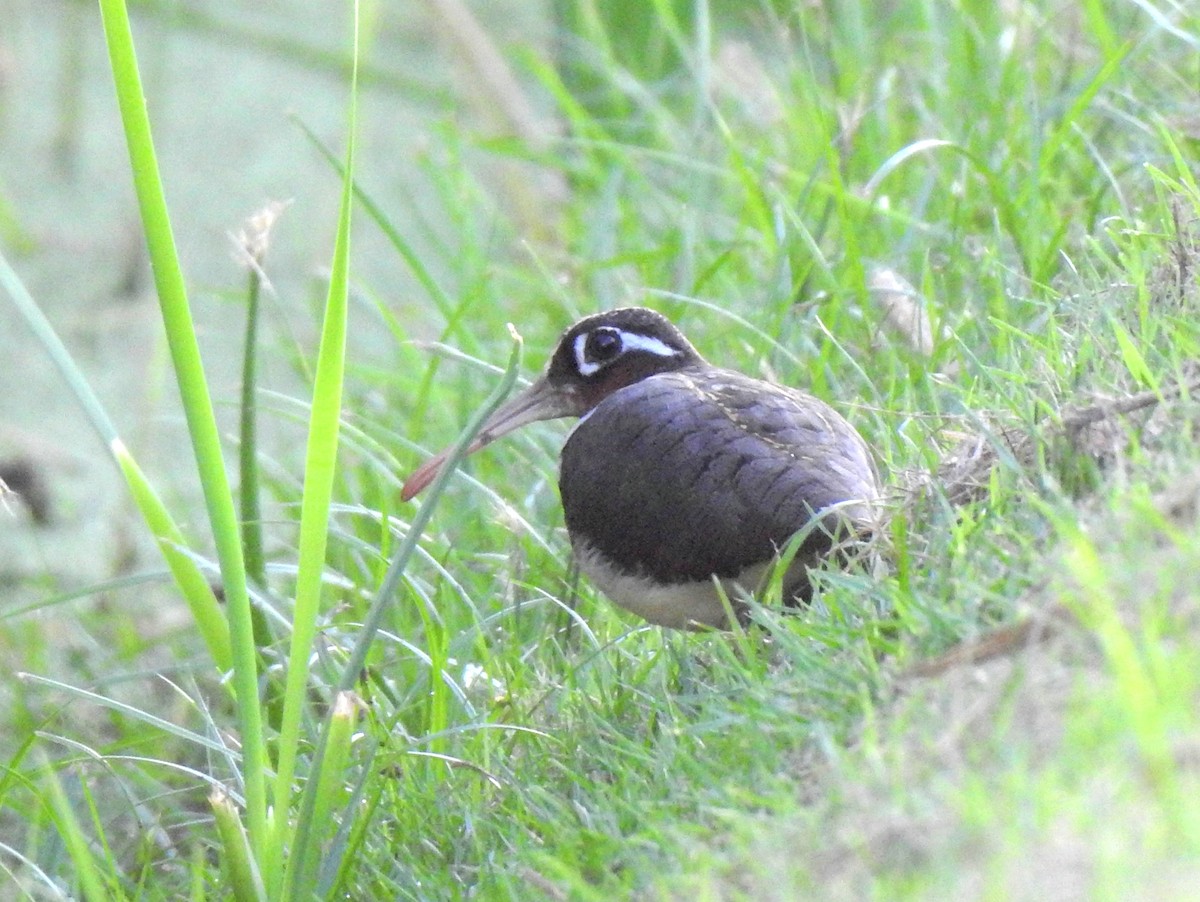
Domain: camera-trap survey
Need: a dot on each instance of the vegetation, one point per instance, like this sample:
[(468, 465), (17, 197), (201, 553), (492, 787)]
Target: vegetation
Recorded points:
[(971, 226)]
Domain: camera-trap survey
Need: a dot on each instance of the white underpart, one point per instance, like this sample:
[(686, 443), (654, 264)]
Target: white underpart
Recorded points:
[(679, 605), (630, 341)]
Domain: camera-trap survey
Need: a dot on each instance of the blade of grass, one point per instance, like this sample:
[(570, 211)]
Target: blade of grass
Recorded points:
[(193, 585), (1142, 698), (319, 471), (87, 871), (253, 242), (358, 811), (358, 657), (251, 510), (132, 711), (303, 839), (420, 271), (330, 788), (198, 410), (240, 870), (99, 588)]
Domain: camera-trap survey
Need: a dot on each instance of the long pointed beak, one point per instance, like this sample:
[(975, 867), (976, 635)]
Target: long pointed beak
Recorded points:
[(541, 401)]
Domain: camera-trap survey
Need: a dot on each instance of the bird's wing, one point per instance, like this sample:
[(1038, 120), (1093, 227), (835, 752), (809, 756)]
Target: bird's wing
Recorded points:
[(692, 473)]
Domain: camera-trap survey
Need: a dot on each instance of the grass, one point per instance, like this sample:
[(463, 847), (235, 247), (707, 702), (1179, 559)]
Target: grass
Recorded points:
[(1007, 711)]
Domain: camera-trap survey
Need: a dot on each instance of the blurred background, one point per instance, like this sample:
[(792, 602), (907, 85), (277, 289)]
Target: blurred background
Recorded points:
[(231, 88)]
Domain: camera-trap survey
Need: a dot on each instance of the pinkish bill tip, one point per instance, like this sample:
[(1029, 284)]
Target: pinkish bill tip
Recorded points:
[(421, 477)]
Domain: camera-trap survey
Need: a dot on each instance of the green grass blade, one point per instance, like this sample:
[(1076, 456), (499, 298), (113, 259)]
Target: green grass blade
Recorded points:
[(109, 585), (1134, 360), (132, 711), (210, 619), (303, 840), (251, 510), (191, 582), (1136, 688), (319, 472), (436, 293), (87, 871), (358, 657), (330, 790), (240, 870), (193, 389), (253, 242)]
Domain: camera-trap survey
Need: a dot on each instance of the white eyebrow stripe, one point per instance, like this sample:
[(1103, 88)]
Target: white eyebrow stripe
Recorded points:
[(651, 345), (630, 341)]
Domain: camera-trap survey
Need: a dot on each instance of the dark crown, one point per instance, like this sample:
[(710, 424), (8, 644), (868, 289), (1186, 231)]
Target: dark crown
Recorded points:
[(608, 351)]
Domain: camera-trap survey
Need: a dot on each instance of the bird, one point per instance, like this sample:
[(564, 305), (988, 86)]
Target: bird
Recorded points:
[(682, 482)]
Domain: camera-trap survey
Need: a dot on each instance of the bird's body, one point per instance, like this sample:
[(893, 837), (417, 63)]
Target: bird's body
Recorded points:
[(681, 475), (717, 471)]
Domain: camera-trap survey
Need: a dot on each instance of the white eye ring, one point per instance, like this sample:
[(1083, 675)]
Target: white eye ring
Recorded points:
[(630, 341), (585, 366)]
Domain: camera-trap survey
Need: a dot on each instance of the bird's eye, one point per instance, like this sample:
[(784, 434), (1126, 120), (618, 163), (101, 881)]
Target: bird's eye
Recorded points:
[(602, 345)]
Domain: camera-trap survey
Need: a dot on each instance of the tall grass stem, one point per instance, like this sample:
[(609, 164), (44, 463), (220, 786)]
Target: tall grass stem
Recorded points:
[(197, 404)]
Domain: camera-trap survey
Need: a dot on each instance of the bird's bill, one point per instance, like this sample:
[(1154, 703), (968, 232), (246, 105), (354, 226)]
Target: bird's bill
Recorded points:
[(540, 401)]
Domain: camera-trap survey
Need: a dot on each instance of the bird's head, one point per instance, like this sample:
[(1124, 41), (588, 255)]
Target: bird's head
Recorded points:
[(597, 356)]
